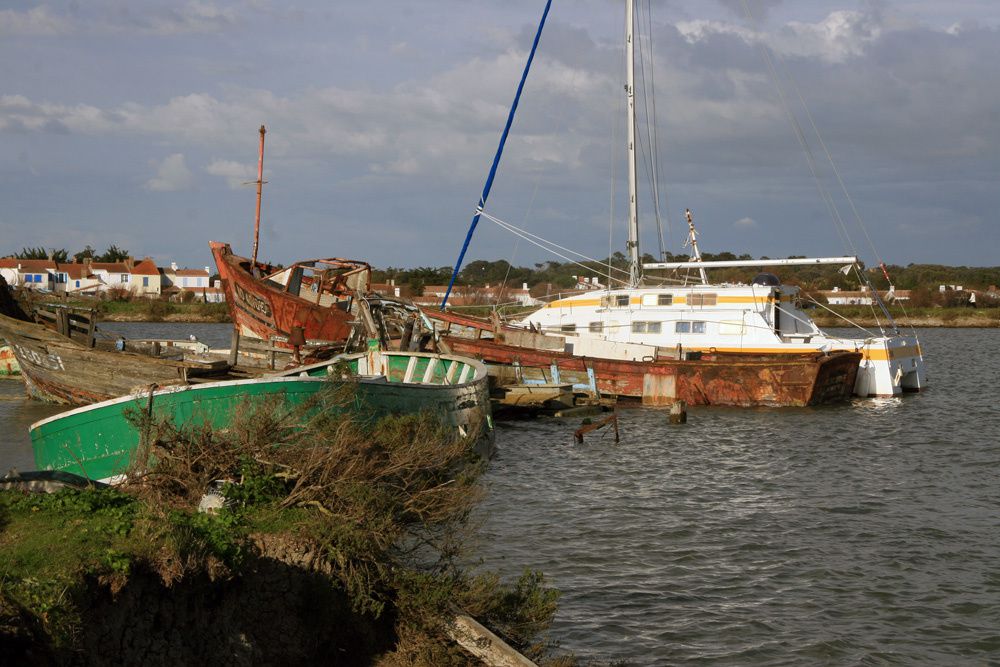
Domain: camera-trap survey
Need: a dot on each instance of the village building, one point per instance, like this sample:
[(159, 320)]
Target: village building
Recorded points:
[(862, 297), (146, 278), (35, 274)]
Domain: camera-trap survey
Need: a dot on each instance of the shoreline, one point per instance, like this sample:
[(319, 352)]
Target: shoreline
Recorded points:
[(914, 322)]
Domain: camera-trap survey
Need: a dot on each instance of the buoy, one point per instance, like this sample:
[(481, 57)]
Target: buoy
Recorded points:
[(678, 413)]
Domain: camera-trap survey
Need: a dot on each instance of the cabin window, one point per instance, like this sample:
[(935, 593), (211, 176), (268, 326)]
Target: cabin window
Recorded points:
[(690, 327), (732, 328), (639, 327), (664, 299), (702, 299), (596, 327), (647, 327), (621, 300), (649, 300), (568, 328)]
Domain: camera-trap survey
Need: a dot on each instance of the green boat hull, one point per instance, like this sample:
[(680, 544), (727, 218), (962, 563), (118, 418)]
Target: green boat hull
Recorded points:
[(100, 442)]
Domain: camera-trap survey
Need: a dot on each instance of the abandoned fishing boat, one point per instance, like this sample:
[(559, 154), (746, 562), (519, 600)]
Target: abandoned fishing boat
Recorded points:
[(763, 318), (101, 442), (58, 368)]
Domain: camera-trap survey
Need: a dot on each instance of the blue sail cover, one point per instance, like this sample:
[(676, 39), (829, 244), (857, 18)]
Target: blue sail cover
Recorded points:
[(496, 158)]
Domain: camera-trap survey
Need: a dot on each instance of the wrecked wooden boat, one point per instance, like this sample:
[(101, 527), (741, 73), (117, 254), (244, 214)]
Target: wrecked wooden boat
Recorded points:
[(307, 303), (60, 369), (101, 442)]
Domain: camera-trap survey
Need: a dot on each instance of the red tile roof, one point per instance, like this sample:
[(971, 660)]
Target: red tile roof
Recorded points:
[(75, 270), (145, 268), (191, 272), (110, 267), (28, 265)]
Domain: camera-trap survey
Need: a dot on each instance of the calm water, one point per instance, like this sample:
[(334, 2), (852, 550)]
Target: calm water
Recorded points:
[(862, 534)]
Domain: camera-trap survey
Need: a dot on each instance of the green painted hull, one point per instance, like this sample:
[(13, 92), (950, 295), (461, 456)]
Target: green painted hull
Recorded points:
[(99, 442)]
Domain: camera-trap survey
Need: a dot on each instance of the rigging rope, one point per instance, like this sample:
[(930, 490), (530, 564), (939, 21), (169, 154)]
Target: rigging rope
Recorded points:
[(541, 243), (496, 158)]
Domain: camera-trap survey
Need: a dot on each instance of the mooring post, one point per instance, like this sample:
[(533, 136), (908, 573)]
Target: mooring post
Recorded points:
[(678, 413)]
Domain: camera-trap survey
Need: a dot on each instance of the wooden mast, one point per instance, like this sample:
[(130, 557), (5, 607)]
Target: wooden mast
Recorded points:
[(260, 188)]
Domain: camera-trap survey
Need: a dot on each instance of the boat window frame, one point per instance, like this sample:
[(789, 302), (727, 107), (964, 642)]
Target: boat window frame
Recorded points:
[(621, 300), (567, 328), (661, 297), (596, 327), (702, 299)]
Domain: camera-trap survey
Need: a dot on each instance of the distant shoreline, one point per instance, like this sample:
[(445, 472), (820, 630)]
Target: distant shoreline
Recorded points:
[(947, 322)]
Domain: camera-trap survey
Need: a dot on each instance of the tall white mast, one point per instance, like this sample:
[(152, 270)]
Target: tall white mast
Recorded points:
[(635, 267)]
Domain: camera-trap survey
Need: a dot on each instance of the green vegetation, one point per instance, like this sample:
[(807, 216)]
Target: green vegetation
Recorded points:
[(926, 277), (156, 310), (368, 522), (61, 255)]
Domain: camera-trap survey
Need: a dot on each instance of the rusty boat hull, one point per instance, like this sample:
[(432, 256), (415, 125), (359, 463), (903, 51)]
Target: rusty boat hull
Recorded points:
[(720, 379), (319, 312)]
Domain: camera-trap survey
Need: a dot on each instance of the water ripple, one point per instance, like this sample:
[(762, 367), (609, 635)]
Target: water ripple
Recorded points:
[(858, 534)]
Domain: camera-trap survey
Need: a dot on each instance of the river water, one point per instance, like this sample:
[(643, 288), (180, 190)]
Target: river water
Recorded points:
[(867, 533)]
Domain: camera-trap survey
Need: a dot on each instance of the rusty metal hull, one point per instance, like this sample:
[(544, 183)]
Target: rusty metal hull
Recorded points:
[(264, 310), (729, 380), (58, 370)]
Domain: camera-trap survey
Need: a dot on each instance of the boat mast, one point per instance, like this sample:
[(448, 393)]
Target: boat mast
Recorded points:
[(635, 267), (260, 188), (693, 242)]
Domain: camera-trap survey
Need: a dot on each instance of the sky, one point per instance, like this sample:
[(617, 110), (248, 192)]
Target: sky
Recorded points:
[(136, 123)]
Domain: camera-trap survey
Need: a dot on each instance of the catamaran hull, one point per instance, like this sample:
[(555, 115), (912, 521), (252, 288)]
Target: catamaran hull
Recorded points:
[(889, 366)]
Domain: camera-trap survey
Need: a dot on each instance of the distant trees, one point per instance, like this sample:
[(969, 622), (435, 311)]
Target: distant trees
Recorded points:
[(112, 254), (42, 253), (86, 253)]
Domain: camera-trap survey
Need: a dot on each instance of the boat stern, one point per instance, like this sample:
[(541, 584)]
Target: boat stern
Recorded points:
[(890, 366)]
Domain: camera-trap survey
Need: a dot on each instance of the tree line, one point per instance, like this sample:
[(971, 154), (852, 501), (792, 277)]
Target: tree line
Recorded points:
[(61, 255), (560, 275)]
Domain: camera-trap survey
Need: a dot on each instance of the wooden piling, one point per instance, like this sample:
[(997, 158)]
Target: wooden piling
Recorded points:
[(678, 413)]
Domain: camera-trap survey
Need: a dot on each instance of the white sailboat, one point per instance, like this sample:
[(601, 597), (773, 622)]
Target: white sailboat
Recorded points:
[(644, 320)]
